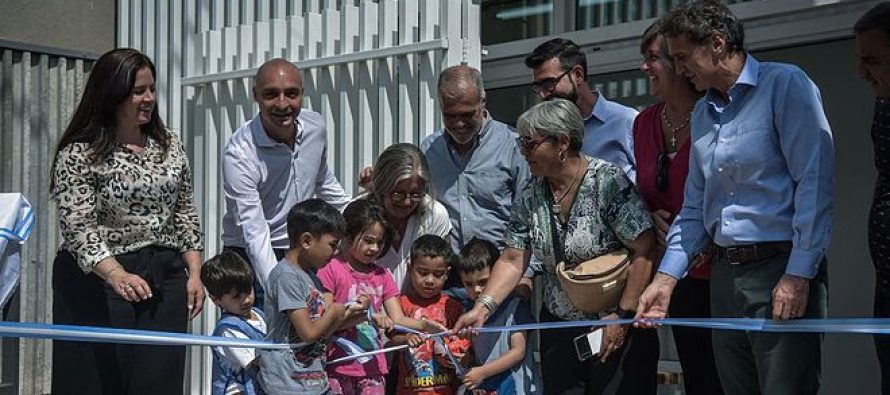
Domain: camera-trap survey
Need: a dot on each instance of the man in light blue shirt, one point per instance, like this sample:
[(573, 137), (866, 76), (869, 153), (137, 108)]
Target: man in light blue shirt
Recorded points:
[(760, 186), (272, 162), (475, 163), (559, 69)]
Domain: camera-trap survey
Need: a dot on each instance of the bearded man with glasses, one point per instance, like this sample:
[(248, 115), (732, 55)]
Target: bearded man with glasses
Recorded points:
[(559, 71)]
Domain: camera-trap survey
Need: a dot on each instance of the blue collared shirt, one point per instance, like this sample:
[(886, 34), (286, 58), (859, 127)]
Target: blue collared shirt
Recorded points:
[(608, 134), (477, 189), (761, 169)]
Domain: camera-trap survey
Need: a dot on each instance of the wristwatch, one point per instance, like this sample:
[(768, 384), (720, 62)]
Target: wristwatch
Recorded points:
[(625, 314)]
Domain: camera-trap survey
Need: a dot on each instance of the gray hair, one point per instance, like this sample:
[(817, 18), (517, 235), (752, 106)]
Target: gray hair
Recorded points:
[(877, 18), (553, 118), (453, 82), (400, 162), (699, 20)]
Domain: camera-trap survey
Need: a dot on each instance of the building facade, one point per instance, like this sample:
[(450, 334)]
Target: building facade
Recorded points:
[(371, 69)]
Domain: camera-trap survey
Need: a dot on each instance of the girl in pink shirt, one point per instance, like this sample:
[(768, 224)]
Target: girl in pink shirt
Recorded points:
[(352, 275)]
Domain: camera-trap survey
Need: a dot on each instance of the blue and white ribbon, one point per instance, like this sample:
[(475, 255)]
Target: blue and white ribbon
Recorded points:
[(134, 336), (126, 336), (16, 223)]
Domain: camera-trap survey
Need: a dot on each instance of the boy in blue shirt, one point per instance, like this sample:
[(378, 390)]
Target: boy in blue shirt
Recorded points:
[(504, 365), (229, 281)]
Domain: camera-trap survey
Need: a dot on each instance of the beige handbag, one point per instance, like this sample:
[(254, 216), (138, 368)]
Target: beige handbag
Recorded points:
[(597, 284), (593, 285)]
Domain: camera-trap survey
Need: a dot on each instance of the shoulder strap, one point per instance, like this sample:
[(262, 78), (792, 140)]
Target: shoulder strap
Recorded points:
[(239, 324), (558, 247)]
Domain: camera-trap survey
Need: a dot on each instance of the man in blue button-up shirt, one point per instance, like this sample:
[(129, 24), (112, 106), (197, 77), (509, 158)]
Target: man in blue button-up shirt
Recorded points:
[(760, 186), (475, 164), (559, 70)]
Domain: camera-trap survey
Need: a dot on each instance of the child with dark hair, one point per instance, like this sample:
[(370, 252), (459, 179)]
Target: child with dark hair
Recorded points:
[(505, 366), (430, 368), (229, 281), (299, 312), (353, 274)]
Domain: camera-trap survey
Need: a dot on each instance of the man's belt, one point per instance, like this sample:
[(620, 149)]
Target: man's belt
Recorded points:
[(748, 253)]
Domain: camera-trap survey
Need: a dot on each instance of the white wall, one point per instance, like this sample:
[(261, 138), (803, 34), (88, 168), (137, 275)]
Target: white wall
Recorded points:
[(369, 67)]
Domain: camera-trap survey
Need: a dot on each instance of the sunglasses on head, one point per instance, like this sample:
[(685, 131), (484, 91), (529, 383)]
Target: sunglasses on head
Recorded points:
[(661, 179)]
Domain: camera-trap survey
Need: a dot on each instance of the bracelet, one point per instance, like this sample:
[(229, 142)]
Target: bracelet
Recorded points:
[(488, 302), (108, 273), (624, 314)]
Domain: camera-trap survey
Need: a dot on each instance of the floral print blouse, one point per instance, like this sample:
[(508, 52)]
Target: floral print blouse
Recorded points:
[(129, 201), (607, 214)]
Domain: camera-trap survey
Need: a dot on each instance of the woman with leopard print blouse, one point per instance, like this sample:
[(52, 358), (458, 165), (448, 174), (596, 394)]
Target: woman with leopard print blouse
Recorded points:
[(131, 251)]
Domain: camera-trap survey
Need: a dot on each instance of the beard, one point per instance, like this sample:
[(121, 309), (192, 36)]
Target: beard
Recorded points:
[(570, 96), (465, 132)]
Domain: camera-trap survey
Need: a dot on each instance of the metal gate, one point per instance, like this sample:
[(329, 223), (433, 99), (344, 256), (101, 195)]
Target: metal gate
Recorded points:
[(370, 68)]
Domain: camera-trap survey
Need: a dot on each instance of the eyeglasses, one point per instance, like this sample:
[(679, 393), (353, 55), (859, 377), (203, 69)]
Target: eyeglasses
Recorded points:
[(528, 144), (546, 85), (661, 179), (401, 196)]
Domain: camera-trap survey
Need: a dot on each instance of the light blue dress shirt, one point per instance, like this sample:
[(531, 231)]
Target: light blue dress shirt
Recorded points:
[(761, 169), (608, 134), (263, 179), (477, 189)]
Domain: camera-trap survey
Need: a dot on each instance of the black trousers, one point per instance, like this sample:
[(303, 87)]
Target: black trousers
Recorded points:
[(632, 369), (85, 299), (692, 299), (763, 362), (259, 294)]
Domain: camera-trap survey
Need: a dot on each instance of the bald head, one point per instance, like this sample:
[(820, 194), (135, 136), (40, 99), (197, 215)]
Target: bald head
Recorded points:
[(458, 82), (275, 68), (278, 89)]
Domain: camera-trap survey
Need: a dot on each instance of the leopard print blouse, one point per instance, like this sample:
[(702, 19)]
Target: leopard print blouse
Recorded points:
[(129, 201)]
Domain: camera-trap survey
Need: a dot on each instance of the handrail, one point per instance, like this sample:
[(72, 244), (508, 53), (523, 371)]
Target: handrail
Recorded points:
[(54, 51), (423, 46)]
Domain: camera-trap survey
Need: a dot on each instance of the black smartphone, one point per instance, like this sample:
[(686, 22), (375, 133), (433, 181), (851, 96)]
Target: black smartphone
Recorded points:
[(588, 345)]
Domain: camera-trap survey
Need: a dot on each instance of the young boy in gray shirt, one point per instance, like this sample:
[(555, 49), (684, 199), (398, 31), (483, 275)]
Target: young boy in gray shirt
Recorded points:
[(296, 306)]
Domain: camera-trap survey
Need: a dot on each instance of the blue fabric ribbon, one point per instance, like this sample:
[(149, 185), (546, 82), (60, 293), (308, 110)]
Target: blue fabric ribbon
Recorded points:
[(133, 336)]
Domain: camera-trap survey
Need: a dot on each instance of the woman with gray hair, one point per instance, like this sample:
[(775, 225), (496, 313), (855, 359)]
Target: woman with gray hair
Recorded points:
[(401, 184), (576, 208)]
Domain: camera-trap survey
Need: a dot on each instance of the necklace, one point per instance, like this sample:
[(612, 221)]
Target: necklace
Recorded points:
[(556, 204), (136, 147), (674, 130)]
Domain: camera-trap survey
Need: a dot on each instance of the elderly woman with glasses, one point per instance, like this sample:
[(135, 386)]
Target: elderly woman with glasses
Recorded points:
[(401, 183), (576, 207), (661, 152)]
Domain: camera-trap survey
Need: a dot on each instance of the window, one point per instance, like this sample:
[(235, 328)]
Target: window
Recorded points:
[(511, 20)]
